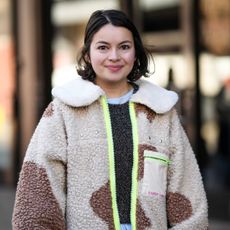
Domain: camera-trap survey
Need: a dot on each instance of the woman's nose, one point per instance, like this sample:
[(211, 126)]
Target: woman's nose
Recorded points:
[(114, 55)]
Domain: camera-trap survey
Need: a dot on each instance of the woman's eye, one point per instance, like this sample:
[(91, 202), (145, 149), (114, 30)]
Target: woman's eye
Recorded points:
[(102, 47), (125, 47)]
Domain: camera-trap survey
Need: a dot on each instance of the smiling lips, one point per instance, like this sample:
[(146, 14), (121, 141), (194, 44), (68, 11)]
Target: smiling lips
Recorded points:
[(114, 68)]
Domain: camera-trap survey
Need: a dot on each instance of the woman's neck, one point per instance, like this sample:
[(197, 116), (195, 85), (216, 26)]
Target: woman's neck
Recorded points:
[(114, 89)]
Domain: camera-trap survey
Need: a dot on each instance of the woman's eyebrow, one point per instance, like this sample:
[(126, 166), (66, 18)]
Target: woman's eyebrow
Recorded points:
[(102, 42), (126, 41), (107, 43)]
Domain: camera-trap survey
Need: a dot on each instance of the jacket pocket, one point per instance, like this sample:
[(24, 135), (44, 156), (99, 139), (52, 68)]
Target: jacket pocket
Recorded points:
[(155, 173)]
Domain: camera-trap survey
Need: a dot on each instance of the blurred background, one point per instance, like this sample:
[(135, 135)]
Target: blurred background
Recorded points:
[(190, 42)]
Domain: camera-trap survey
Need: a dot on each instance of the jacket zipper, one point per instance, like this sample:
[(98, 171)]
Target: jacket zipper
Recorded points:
[(112, 174)]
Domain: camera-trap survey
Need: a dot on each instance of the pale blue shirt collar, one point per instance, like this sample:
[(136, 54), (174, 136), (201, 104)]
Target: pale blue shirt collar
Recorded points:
[(120, 100)]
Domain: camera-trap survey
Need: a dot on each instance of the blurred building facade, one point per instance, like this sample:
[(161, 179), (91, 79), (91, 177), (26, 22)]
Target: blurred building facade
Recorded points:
[(39, 42)]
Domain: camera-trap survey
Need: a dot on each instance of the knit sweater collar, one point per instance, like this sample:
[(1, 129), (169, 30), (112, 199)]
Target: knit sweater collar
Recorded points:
[(78, 93)]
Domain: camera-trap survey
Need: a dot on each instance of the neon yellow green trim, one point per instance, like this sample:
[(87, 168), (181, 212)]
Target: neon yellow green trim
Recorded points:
[(159, 159), (135, 166), (111, 162)]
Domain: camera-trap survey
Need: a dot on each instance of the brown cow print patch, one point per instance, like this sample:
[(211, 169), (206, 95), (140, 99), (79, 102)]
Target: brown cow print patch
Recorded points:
[(36, 204), (179, 208), (101, 203), (142, 220), (144, 109)]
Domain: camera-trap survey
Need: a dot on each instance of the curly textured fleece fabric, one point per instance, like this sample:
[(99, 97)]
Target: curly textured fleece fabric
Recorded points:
[(64, 181)]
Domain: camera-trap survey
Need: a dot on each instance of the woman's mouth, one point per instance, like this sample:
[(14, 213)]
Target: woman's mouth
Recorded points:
[(114, 68)]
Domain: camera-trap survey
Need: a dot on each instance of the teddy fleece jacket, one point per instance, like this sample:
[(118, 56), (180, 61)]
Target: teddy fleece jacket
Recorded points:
[(68, 181)]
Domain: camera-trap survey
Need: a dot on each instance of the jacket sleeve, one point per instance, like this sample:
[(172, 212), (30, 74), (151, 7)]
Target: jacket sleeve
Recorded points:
[(186, 198), (41, 196)]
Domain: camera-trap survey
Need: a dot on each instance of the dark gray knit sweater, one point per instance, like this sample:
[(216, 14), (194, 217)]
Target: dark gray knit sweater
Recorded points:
[(123, 149)]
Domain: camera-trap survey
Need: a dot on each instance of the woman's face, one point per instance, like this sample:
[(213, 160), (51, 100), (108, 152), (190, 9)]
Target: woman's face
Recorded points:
[(112, 54)]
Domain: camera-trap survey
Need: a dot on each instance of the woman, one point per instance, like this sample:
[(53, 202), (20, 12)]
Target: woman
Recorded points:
[(109, 151)]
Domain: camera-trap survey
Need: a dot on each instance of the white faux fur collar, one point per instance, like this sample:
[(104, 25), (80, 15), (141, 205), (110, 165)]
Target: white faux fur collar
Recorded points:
[(80, 92), (155, 97)]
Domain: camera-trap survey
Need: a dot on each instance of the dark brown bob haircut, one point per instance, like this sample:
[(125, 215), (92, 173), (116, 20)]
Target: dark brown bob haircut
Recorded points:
[(117, 18)]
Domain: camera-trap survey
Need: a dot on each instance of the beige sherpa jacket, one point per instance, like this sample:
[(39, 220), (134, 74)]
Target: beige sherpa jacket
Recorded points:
[(67, 178)]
